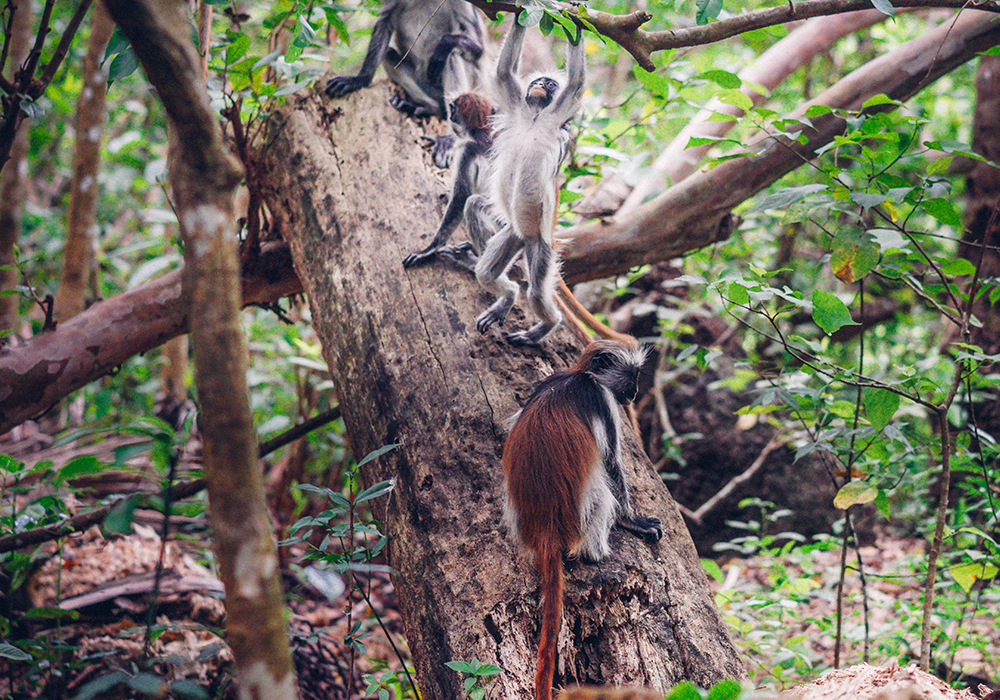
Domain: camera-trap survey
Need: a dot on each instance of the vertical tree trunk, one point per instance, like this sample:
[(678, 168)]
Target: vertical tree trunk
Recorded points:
[(203, 176), (13, 178), (81, 225), (982, 218), (353, 193)]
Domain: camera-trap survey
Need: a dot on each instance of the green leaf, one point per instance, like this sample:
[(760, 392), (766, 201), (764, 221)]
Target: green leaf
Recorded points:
[(944, 211), (9, 651), (119, 519), (685, 690), (189, 690), (882, 503), (375, 454), (727, 689), (880, 405), (738, 294), (708, 10), (888, 239), (101, 685), (713, 570), (723, 79), (829, 312), (854, 493), (867, 199), (959, 266), (786, 196), (461, 666), (854, 254), (124, 64), (148, 684), (880, 99), (653, 82), (965, 575), (814, 111), (237, 49), (737, 98), (379, 489)]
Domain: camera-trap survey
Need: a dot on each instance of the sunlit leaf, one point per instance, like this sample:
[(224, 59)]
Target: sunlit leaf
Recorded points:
[(854, 493), (829, 312)]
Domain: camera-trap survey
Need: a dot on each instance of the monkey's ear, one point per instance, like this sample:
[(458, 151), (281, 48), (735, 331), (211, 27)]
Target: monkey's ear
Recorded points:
[(602, 362)]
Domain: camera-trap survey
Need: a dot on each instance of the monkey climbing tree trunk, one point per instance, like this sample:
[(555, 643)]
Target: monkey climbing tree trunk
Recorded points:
[(353, 193)]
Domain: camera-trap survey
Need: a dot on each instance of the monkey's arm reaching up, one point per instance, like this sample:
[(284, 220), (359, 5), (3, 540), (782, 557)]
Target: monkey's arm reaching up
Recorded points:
[(508, 86), (567, 102)]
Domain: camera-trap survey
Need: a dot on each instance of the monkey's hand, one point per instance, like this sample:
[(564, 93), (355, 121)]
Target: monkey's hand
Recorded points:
[(644, 526), (497, 313), (345, 84), (442, 150)]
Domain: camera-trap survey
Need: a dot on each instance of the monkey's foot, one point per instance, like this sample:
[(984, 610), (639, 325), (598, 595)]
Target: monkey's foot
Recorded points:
[(410, 108), (461, 254), (345, 85), (421, 256), (497, 313), (532, 336), (645, 526)]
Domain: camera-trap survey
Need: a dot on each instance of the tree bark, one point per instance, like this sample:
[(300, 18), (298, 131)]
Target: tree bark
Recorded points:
[(203, 177), (697, 211), (81, 226), (353, 193), (13, 180)]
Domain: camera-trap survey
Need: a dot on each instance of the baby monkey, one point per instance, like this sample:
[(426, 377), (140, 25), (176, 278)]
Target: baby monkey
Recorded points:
[(564, 476)]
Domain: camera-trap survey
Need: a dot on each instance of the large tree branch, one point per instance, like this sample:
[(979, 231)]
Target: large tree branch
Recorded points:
[(626, 31), (697, 211), (50, 365)]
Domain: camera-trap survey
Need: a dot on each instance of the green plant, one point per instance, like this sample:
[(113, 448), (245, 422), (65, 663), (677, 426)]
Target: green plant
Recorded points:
[(479, 674)]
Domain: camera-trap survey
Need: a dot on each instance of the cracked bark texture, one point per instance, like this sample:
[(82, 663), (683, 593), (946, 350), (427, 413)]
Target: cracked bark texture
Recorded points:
[(353, 193)]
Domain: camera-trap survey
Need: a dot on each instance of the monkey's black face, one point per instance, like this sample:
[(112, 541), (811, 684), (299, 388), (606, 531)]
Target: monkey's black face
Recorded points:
[(626, 389), (540, 92)]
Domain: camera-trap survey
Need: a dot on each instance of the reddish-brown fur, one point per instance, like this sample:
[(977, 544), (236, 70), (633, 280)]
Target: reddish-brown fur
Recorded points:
[(474, 110), (545, 481)]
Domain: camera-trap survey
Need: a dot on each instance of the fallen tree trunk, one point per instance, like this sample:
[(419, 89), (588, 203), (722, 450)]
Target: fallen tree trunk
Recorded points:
[(353, 194), (48, 366)]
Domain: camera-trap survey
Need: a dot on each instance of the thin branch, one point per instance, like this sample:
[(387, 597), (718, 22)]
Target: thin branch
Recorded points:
[(180, 491), (706, 507), (49, 71)]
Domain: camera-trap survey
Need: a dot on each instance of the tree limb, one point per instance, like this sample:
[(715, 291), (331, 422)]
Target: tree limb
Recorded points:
[(625, 30), (698, 211), (42, 370)]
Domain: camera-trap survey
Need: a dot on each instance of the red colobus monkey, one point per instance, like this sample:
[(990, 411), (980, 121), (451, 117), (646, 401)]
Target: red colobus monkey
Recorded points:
[(470, 113), (529, 143), (437, 50), (564, 480)]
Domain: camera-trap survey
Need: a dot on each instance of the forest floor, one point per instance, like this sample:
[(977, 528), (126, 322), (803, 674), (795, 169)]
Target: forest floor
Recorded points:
[(781, 607)]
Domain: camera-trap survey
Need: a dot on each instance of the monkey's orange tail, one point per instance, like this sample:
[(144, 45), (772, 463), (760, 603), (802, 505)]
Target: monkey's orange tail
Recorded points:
[(550, 570), (580, 318)]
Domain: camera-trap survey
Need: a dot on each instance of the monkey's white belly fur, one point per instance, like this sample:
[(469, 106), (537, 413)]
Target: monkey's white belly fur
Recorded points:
[(525, 165)]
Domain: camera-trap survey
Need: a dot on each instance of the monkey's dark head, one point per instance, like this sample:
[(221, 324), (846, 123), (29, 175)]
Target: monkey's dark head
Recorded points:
[(541, 91), (615, 366), (471, 111)]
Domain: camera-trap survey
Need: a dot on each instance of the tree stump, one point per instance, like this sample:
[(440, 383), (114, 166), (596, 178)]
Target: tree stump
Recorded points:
[(353, 192)]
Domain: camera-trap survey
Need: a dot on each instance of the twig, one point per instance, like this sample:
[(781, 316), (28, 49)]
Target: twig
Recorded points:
[(697, 516)]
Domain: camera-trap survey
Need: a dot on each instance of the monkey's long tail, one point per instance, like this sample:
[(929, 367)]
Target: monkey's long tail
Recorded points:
[(550, 570), (580, 318)]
